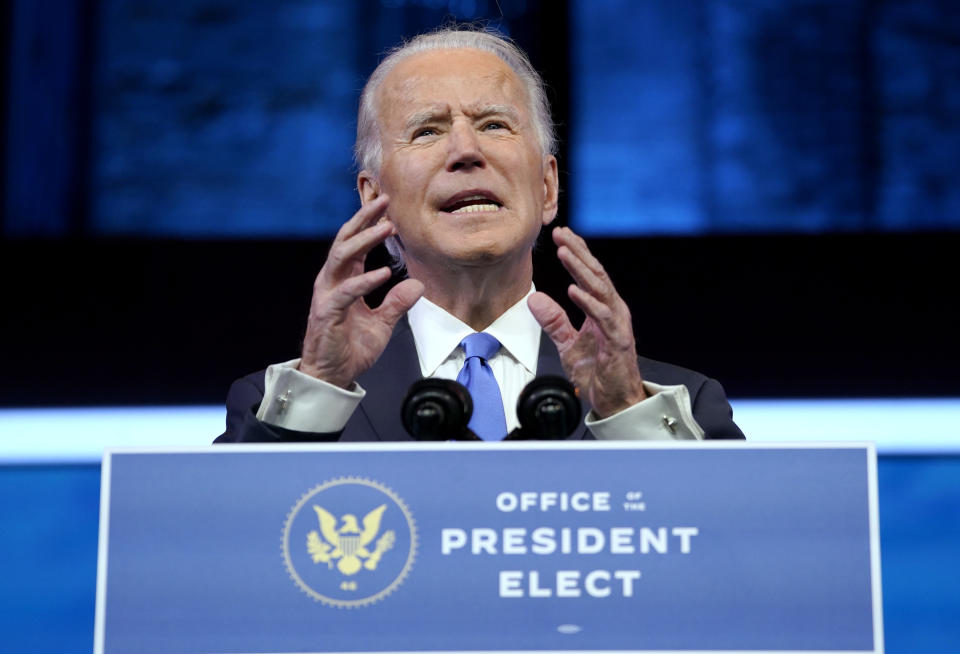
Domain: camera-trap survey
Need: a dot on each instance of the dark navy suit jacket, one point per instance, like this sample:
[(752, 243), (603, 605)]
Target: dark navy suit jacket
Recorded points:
[(386, 382)]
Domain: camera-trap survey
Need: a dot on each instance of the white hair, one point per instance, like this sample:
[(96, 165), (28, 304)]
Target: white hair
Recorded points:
[(368, 149)]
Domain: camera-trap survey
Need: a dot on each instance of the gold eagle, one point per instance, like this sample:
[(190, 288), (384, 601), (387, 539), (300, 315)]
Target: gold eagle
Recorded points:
[(348, 544)]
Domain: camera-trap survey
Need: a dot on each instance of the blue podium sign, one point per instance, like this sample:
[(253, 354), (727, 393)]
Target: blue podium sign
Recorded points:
[(456, 547)]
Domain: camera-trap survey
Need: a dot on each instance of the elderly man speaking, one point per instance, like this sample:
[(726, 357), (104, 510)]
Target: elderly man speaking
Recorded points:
[(458, 177)]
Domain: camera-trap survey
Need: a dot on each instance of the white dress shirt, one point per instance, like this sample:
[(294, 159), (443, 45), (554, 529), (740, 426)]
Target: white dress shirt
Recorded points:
[(294, 400)]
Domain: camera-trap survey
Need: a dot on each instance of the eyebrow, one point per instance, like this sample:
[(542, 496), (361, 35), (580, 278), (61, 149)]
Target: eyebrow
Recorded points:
[(427, 116), (496, 110)]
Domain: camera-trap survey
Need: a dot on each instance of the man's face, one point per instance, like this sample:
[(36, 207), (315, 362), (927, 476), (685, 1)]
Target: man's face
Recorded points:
[(468, 183)]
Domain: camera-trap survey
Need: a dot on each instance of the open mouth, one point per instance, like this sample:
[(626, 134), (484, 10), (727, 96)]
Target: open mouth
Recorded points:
[(472, 204)]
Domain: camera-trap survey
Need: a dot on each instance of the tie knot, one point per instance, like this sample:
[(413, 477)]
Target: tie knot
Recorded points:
[(481, 345)]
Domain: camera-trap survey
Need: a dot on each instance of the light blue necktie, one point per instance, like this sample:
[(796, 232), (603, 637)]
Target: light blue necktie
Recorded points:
[(488, 421)]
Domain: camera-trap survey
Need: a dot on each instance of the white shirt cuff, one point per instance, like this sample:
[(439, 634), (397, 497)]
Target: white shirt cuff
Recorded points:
[(665, 415), (297, 401)]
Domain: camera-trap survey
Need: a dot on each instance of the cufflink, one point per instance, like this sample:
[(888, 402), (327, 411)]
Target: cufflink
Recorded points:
[(284, 399), (669, 423)]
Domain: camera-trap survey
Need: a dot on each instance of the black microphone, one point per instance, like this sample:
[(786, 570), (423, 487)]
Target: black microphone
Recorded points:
[(548, 409), (437, 410)]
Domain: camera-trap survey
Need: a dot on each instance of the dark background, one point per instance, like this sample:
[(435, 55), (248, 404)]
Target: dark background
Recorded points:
[(772, 185), (173, 172)]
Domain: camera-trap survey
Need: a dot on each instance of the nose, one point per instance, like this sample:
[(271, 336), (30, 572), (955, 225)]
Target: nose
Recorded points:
[(463, 148)]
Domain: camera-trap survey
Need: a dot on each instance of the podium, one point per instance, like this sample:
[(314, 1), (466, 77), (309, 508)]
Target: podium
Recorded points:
[(490, 547)]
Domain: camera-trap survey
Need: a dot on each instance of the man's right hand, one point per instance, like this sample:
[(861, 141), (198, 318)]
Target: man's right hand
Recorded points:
[(345, 336)]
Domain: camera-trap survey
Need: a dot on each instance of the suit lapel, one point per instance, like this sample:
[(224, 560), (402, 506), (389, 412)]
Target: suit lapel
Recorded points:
[(387, 383), (548, 363)]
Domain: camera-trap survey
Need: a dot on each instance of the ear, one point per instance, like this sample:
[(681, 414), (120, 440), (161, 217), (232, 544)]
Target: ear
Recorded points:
[(367, 186), (551, 189)]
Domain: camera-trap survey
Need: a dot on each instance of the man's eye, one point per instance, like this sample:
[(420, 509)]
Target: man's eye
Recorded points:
[(494, 125), (424, 131)]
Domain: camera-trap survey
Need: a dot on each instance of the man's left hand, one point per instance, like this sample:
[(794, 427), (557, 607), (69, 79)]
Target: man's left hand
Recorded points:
[(600, 358)]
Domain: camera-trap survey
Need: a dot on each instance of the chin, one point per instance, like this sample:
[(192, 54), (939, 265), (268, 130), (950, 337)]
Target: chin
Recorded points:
[(490, 256), (475, 258)]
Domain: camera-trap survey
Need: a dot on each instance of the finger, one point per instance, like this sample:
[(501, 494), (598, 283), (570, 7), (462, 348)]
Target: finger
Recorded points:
[(566, 236), (585, 269), (399, 300), (553, 319), (613, 326), (585, 277), (368, 214), (352, 252), (354, 288)]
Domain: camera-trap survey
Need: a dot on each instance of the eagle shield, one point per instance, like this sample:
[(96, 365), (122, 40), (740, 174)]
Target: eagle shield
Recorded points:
[(347, 545)]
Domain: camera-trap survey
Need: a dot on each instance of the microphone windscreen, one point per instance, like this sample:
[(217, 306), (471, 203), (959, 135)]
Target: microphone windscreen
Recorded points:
[(436, 410), (548, 408)]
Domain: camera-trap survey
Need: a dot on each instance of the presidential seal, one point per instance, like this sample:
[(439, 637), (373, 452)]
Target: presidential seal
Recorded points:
[(349, 542)]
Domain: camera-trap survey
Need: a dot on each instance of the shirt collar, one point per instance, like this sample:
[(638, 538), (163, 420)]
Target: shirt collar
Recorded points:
[(437, 334)]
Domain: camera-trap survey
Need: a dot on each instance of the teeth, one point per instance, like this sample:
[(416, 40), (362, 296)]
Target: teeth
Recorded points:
[(475, 208)]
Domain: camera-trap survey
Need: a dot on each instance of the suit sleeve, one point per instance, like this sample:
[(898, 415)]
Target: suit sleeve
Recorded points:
[(243, 400), (713, 412)]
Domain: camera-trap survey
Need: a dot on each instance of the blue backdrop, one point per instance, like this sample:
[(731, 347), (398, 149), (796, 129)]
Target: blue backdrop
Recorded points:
[(192, 118)]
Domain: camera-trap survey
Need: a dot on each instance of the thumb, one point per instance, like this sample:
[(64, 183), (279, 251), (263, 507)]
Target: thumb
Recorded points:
[(399, 300), (552, 318)]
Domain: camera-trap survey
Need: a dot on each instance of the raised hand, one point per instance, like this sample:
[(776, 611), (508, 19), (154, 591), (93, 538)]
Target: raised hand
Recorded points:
[(600, 358), (345, 336)]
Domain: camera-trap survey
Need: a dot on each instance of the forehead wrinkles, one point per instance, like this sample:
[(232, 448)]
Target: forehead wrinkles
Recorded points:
[(401, 97)]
